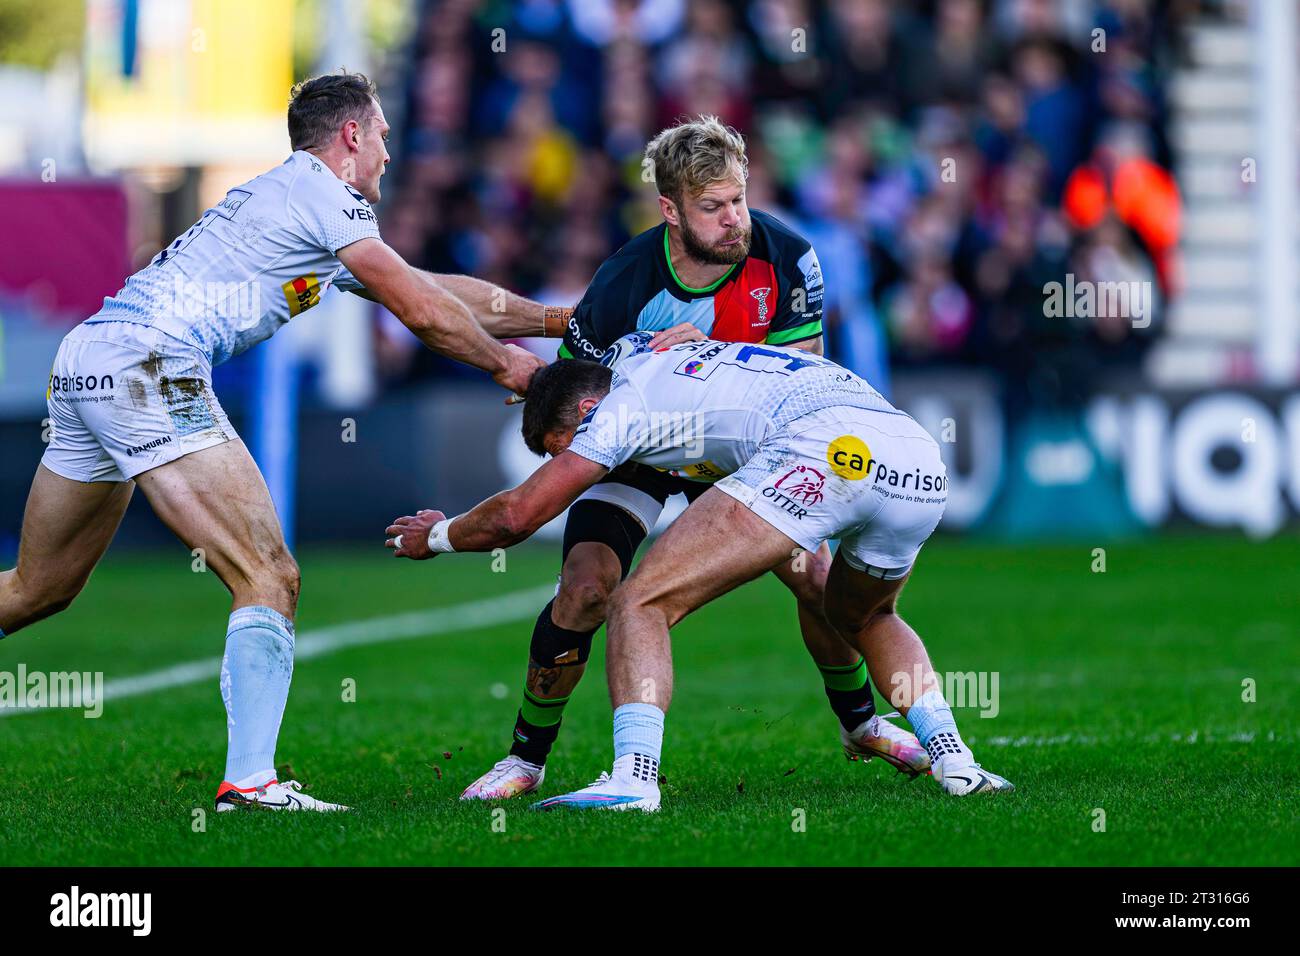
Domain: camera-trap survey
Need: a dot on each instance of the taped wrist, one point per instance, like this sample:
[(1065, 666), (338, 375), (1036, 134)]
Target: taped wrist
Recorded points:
[(555, 320), (555, 646)]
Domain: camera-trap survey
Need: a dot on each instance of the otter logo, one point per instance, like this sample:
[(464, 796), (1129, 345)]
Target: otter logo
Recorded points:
[(797, 490), (761, 295)]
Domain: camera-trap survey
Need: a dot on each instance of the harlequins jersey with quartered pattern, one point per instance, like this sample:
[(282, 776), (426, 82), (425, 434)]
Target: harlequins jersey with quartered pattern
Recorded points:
[(773, 295)]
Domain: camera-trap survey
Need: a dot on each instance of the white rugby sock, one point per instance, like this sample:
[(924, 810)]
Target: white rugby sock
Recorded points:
[(932, 721), (638, 741), (255, 675)]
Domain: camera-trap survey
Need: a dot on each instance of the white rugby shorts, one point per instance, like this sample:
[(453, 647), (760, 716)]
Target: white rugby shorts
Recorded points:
[(873, 479), (124, 398)]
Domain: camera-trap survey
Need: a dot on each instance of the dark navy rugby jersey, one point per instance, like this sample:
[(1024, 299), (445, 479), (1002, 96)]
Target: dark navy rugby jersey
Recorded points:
[(773, 295)]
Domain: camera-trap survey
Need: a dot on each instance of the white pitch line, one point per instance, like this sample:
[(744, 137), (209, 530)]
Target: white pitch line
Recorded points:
[(321, 641), (1085, 740)]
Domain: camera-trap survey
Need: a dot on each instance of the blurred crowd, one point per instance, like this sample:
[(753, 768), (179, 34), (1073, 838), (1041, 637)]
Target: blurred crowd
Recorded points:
[(948, 159)]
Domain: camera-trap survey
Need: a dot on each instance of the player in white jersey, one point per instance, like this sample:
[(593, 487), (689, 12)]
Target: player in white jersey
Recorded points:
[(131, 401), (801, 450)]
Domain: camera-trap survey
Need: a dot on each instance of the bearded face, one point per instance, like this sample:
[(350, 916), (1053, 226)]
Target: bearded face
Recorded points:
[(729, 249), (715, 224)]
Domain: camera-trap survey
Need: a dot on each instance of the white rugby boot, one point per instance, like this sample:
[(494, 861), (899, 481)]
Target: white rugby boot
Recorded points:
[(877, 737), (272, 796), (959, 775), (632, 786), (510, 777)]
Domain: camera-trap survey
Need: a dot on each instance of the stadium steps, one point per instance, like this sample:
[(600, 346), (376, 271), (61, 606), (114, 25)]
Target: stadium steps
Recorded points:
[(1213, 324)]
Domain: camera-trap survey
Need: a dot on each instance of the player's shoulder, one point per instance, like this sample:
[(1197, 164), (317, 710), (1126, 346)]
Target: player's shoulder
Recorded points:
[(631, 264), (311, 183), (775, 236), (642, 247), (790, 253)]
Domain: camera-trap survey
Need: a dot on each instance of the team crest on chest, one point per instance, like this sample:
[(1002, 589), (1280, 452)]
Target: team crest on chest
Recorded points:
[(761, 295)]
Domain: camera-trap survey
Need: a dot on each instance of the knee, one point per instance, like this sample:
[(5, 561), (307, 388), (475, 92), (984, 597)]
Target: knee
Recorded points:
[(809, 585), (848, 620), (40, 599), (585, 588), (631, 602), (585, 596)]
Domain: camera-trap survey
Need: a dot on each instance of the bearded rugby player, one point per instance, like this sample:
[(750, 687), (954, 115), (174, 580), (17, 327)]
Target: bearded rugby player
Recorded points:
[(131, 403)]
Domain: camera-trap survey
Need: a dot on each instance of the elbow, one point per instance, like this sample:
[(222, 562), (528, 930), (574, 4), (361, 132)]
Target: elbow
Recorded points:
[(424, 322)]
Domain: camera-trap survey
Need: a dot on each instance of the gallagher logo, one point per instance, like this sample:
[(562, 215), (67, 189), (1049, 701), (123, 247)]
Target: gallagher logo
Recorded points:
[(301, 293)]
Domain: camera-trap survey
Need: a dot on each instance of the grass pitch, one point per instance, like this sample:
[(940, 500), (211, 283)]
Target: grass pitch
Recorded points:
[(1120, 692)]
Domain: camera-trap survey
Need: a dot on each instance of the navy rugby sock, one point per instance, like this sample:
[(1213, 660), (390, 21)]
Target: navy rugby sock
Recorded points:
[(849, 693)]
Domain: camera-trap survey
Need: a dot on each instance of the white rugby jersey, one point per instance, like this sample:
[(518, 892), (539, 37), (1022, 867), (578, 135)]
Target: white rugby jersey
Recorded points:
[(700, 410), (262, 255)]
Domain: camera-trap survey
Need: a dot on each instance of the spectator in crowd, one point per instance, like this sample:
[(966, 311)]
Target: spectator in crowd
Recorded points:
[(949, 158)]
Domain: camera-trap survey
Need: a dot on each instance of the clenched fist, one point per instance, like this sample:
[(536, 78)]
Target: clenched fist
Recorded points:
[(516, 376), (408, 536)]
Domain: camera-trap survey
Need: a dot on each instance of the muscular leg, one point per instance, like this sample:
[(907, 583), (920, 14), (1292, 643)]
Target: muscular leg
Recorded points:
[(67, 527), (683, 571), (841, 667), (216, 500), (590, 574), (887, 649), (600, 541), (864, 609), (805, 575)]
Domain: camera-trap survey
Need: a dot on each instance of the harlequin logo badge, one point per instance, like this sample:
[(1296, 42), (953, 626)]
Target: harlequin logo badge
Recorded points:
[(761, 295), (692, 367)]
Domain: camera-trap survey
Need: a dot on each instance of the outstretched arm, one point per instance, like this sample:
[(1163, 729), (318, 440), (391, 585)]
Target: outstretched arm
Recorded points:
[(503, 520), (503, 314), (438, 318)]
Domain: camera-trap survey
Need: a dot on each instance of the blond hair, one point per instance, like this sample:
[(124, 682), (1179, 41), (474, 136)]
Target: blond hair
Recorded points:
[(691, 156)]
